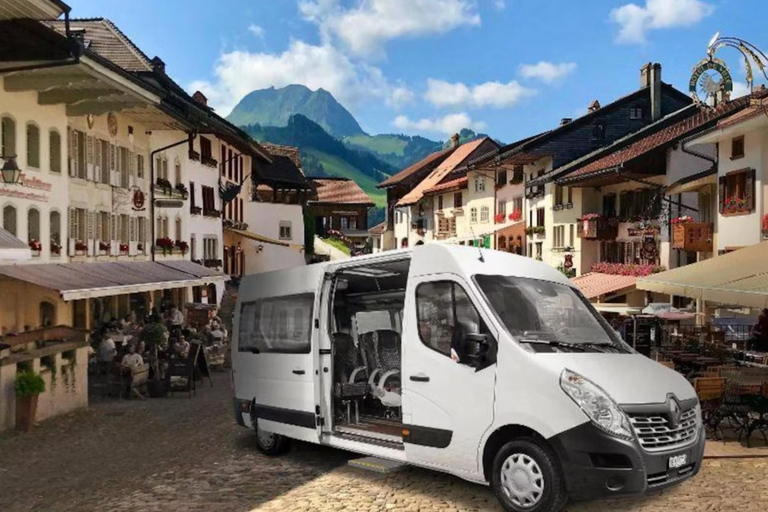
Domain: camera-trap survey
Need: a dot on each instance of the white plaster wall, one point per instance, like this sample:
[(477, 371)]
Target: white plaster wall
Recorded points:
[(264, 219), (23, 108)]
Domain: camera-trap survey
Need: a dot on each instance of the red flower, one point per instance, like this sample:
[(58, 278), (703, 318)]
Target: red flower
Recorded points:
[(35, 245), (123, 247), (516, 215)]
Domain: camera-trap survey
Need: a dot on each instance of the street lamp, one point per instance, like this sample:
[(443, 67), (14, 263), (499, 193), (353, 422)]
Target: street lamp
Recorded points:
[(10, 171)]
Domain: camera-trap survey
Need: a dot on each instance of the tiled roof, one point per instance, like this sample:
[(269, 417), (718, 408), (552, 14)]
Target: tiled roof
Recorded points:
[(747, 113), (595, 284), (105, 39), (8, 241), (378, 229), (339, 191), (457, 158), (662, 137), (291, 152), (455, 184), (426, 164)]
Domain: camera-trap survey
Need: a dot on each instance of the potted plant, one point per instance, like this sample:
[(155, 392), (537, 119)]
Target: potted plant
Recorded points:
[(123, 248), (166, 244), (499, 218), (182, 246), (81, 247), (55, 248), (35, 246), (105, 246), (28, 386), (182, 189), (516, 215), (154, 335)]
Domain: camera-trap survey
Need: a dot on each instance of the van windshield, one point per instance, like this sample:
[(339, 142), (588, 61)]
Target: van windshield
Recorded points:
[(542, 312)]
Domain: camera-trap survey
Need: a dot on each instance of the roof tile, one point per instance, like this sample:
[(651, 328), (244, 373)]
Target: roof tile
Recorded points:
[(339, 191), (430, 161), (595, 284)]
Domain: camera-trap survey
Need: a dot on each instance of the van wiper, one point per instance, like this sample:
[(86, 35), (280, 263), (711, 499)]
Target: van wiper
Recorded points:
[(555, 343)]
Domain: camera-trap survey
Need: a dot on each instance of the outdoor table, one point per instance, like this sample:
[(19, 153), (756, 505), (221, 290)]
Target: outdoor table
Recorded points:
[(706, 361)]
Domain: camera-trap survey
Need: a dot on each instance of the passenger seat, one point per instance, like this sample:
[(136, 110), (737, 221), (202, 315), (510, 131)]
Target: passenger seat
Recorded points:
[(350, 374), (384, 348)]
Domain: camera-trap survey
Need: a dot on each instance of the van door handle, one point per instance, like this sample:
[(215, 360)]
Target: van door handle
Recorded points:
[(419, 378), (298, 372)]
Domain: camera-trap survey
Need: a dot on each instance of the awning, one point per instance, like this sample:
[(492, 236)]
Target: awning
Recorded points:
[(597, 284), (104, 279), (619, 309), (739, 277)]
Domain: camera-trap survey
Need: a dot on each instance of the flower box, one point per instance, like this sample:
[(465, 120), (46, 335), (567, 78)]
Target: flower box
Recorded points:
[(627, 269), (692, 236), (194, 155), (105, 247), (211, 213), (516, 215), (736, 205), (55, 249), (210, 162), (535, 230), (35, 246), (81, 247), (165, 244), (499, 218), (182, 189), (195, 210), (182, 246)]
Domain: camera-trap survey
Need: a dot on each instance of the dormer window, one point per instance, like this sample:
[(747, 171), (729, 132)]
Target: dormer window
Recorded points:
[(635, 112), (598, 132)]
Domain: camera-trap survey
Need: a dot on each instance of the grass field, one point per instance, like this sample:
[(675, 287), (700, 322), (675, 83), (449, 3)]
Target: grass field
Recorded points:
[(338, 244), (381, 144), (342, 169)]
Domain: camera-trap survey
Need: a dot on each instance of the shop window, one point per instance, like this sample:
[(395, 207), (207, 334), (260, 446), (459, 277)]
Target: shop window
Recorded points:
[(737, 147), (54, 143), (33, 145), (502, 242), (9, 219), (33, 224)]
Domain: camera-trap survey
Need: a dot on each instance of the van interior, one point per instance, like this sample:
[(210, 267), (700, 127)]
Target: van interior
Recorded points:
[(366, 334)]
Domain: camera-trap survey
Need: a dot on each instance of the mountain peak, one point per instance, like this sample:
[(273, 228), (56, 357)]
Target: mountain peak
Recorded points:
[(274, 107)]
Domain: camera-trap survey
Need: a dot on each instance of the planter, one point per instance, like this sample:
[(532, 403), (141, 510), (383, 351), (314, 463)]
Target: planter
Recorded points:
[(692, 236), (157, 388), (26, 410)]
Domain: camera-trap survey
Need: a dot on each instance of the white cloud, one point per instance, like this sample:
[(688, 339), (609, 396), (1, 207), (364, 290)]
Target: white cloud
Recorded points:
[(547, 72), (500, 4), (256, 30), (369, 24), (400, 95), (450, 124), (634, 21), (489, 94), (240, 72)]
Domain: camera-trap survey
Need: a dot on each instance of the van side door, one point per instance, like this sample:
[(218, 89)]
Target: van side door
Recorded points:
[(448, 403), (276, 339)]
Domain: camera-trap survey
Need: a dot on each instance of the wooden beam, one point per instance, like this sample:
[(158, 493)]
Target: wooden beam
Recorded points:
[(43, 82), (98, 108), (64, 95)]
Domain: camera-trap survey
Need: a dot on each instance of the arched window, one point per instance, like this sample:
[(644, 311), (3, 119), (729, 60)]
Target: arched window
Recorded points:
[(33, 225), (33, 145), (7, 137), (9, 219), (47, 314), (55, 227), (54, 141)]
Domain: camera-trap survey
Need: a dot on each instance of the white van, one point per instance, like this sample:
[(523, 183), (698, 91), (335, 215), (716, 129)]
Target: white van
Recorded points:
[(478, 363)]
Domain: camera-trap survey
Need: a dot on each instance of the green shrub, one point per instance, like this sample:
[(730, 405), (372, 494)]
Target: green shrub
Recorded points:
[(154, 334), (29, 384)]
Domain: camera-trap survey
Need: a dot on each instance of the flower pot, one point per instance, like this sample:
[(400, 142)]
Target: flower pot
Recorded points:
[(26, 410)]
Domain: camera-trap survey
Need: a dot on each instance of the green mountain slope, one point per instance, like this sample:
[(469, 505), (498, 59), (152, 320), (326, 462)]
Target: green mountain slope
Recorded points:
[(274, 107), (337, 167)]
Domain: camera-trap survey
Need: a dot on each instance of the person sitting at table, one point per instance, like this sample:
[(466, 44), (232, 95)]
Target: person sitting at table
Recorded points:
[(181, 347), (132, 359), (107, 350), (176, 318)]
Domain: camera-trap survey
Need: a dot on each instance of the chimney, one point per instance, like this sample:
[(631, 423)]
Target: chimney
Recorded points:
[(158, 65), (655, 83), (645, 75), (200, 98), (594, 106), (455, 140), (564, 121)]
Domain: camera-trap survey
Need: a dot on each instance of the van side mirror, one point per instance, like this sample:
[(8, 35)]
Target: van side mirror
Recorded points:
[(475, 349)]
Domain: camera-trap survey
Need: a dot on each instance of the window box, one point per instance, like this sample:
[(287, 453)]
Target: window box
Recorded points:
[(535, 230), (55, 249), (194, 155), (105, 247), (516, 215), (182, 246), (209, 161), (81, 248), (36, 247), (692, 236), (123, 248), (182, 190), (211, 213), (195, 210), (165, 245), (557, 207), (595, 227)]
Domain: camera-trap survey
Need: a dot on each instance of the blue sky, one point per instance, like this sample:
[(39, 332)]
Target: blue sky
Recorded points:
[(511, 68)]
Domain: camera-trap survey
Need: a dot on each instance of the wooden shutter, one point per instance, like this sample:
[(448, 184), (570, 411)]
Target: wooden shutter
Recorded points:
[(132, 229), (72, 150), (114, 234), (750, 189), (132, 165), (89, 158), (72, 230), (723, 185)]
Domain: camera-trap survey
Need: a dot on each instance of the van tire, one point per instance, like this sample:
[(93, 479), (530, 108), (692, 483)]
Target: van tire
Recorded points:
[(536, 457), (269, 443)]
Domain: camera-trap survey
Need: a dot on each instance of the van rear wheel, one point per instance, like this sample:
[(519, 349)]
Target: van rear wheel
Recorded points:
[(527, 478), (270, 443)]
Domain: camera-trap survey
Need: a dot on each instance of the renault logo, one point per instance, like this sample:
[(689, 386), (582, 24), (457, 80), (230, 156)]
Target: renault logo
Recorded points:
[(673, 406)]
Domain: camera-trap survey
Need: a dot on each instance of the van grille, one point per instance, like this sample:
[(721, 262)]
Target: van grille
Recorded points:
[(656, 434)]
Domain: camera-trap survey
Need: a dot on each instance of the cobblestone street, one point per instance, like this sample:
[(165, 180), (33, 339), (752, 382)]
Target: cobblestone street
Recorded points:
[(187, 454)]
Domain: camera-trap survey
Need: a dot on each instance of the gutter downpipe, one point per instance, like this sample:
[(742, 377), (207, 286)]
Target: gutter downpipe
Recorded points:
[(190, 137)]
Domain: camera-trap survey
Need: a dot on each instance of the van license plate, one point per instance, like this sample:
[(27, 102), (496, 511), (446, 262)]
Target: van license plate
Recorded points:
[(678, 461)]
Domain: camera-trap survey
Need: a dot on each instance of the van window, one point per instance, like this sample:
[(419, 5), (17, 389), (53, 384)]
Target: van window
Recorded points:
[(440, 307), (278, 324)]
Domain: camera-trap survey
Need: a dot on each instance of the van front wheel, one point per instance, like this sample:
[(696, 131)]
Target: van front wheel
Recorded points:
[(526, 478), (270, 443)]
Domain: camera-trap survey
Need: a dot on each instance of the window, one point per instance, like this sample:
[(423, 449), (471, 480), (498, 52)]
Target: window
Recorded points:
[(208, 199), (479, 184), (104, 219), (518, 202), (635, 112), (571, 231), (559, 232), (192, 194), (105, 156), (353, 223), (162, 227), (737, 147), (210, 248), (179, 234), (54, 142), (473, 215), (177, 170), (501, 178), (33, 224), (440, 202), (124, 167), (539, 246), (285, 228), (598, 132), (205, 148), (192, 248), (485, 214), (124, 228), (78, 224), (442, 309), (229, 164), (77, 154), (8, 136), (33, 146), (609, 205), (457, 200), (9, 219), (737, 192), (343, 220), (540, 216), (502, 208), (142, 226), (277, 325), (140, 165), (558, 195), (55, 221)]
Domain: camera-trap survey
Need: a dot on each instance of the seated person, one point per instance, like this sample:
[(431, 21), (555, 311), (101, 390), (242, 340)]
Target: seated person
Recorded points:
[(107, 350), (181, 347), (132, 360)]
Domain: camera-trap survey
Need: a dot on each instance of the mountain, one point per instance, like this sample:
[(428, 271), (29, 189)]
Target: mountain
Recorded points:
[(325, 155), (274, 107)]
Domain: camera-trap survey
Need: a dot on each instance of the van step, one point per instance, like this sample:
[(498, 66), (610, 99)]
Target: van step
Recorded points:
[(377, 465)]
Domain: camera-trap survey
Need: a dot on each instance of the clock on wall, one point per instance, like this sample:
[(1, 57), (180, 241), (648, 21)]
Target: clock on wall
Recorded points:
[(112, 124)]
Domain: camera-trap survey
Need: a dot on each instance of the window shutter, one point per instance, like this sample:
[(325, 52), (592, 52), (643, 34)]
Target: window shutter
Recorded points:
[(72, 150), (98, 227), (722, 185), (132, 234), (89, 158), (72, 230), (131, 168), (750, 192), (113, 231), (97, 160)]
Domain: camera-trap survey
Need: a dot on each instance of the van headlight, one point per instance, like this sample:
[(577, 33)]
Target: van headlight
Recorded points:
[(596, 404)]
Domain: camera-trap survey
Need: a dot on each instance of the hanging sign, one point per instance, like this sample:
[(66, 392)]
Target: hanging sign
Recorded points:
[(649, 231), (568, 261), (139, 200), (650, 249), (710, 77)]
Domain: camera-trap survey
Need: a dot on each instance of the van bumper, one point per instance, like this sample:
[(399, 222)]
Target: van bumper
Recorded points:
[(242, 410), (596, 464)]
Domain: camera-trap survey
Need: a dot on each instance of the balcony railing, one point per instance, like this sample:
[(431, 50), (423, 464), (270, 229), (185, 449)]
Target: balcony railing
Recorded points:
[(692, 236)]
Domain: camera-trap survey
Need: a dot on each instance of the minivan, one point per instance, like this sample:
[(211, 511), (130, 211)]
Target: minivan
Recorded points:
[(482, 364)]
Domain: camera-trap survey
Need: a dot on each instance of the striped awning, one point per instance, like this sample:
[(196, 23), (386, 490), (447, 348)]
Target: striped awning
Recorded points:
[(104, 279)]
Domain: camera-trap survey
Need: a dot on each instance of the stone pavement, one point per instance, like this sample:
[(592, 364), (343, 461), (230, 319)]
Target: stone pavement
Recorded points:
[(187, 454)]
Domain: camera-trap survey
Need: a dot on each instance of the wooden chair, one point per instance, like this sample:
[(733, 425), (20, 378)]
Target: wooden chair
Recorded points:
[(710, 391), (139, 377), (184, 371)]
